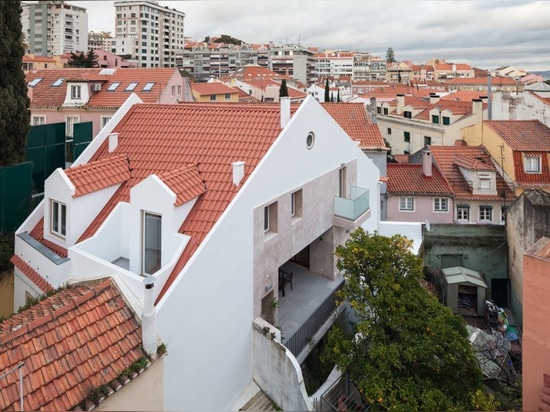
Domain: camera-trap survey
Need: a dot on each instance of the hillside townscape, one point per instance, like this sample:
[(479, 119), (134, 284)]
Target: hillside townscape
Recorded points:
[(213, 224)]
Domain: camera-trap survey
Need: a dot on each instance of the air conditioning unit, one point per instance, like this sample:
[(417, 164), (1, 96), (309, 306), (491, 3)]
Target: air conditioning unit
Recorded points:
[(96, 87)]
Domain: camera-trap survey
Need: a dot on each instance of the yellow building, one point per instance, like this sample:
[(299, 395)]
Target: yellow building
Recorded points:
[(520, 150), (214, 92)]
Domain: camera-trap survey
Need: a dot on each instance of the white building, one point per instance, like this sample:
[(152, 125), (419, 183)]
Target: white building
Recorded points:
[(209, 202), (148, 33), (51, 28)]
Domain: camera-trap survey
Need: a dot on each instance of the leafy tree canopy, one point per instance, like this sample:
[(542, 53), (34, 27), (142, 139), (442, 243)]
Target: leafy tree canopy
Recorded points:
[(390, 55), (406, 351), (226, 39), (283, 90), (83, 59)]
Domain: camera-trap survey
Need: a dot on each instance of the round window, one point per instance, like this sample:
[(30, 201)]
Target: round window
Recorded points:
[(310, 140)]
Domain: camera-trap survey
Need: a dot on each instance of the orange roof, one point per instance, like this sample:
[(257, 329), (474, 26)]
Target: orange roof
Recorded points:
[(32, 274), (457, 67), (409, 178), (45, 94), (186, 182), (446, 159), (162, 138), (354, 119), (98, 175), (253, 72), (206, 89), (522, 135), (79, 338), (481, 81), (463, 96)]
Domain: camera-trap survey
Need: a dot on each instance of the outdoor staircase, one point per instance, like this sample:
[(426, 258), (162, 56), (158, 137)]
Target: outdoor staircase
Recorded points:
[(260, 402)]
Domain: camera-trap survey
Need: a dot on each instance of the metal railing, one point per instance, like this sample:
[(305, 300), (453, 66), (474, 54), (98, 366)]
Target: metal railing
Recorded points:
[(304, 335), (343, 395)]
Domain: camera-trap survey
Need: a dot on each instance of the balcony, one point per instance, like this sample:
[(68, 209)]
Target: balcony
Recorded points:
[(350, 213)]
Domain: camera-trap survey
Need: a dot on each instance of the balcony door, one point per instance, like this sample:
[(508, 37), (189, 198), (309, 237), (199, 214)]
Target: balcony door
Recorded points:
[(151, 243)]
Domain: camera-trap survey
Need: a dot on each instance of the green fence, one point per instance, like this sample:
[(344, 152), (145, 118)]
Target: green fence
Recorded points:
[(16, 194)]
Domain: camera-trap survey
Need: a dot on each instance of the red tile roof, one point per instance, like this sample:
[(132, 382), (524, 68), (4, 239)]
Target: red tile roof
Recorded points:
[(446, 159), (32, 274), (481, 81), (207, 89), (463, 95), (44, 94), (356, 122), (90, 177), (79, 338), (409, 178), (522, 135), (185, 182)]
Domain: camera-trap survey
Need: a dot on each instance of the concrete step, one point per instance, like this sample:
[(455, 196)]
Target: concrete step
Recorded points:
[(260, 402)]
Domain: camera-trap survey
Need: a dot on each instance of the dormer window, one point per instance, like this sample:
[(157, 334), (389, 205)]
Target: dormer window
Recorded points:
[(407, 114), (532, 164), (484, 182), (75, 92), (58, 221)]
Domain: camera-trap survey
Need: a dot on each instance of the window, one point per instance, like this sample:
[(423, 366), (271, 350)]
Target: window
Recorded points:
[(406, 204), (440, 204), (270, 218), (407, 114), (105, 120), (173, 90), (435, 119), (407, 136), (385, 110), (389, 130), (58, 82), (378, 110), (34, 82), (227, 96), (148, 86), (75, 92), (446, 120), (485, 213), (58, 222), (296, 204), (113, 86), (69, 125), (427, 140), (342, 182), (212, 97), (152, 243), (131, 86), (532, 164), (310, 140), (463, 213), (38, 120)]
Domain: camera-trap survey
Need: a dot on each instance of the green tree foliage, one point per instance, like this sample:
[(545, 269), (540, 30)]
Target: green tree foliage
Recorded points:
[(327, 91), (7, 243), (390, 55), (407, 351), (338, 97), (14, 103), (283, 90), (83, 59), (226, 39)]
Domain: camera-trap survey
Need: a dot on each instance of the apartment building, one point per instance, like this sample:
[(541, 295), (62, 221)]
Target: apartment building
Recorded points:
[(52, 28), (148, 33), (335, 64), (100, 41), (292, 60), (367, 67)]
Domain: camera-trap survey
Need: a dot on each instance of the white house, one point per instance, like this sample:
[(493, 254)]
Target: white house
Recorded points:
[(204, 203)]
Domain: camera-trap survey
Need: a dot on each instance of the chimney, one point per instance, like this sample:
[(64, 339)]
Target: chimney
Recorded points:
[(400, 103), (427, 163), (113, 142), (238, 172), (477, 106), (434, 98), (285, 111), (149, 319)]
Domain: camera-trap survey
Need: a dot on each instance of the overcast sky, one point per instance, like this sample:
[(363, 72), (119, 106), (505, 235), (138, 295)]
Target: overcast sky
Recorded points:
[(485, 34)]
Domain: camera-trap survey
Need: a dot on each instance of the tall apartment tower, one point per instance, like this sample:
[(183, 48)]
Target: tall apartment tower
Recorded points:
[(51, 28), (148, 33)]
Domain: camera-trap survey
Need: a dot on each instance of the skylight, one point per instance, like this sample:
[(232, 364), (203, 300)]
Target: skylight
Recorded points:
[(35, 81), (131, 86), (58, 82), (107, 71), (113, 86), (148, 86)]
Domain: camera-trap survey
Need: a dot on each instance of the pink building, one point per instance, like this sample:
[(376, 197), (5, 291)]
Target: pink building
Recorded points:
[(536, 328)]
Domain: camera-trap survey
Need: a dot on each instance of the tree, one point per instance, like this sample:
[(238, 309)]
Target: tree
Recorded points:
[(338, 97), (327, 91), (283, 90), (91, 59), (14, 106), (80, 59), (406, 351), (390, 55)]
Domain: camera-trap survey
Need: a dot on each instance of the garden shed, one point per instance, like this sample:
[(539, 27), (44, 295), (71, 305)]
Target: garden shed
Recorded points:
[(465, 291)]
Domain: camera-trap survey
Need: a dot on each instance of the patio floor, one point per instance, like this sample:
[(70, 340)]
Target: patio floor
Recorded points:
[(309, 292)]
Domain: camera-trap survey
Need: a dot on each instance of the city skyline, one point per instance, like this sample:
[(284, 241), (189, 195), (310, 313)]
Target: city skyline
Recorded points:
[(484, 34)]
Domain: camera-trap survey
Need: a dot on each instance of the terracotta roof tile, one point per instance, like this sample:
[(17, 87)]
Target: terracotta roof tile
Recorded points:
[(186, 182), (60, 367), (409, 178), (354, 119), (32, 274), (206, 89), (522, 135), (93, 176)]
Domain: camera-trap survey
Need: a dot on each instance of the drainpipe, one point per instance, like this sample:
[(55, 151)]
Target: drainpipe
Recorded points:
[(149, 319)]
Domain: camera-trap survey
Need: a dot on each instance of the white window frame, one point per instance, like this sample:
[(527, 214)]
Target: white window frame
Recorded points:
[(213, 97), (105, 120), (483, 211), (460, 211), (296, 204), (69, 125), (38, 120), (76, 92), (484, 183), (406, 204), (441, 204), (532, 164), (58, 218), (266, 218)]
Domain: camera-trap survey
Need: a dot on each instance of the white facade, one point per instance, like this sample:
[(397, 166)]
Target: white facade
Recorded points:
[(525, 106), (206, 317), (148, 33), (51, 28)]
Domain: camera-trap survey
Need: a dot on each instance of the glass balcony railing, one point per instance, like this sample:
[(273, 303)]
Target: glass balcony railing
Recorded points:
[(357, 204)]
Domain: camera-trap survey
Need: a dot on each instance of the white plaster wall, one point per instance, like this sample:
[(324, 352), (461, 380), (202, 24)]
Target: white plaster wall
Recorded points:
[(206, 318), (526, 106)]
